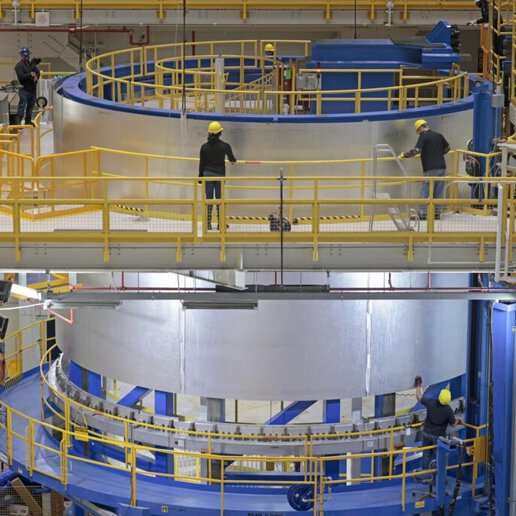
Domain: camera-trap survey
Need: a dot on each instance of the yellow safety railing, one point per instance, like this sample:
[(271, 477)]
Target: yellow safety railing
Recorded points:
[(501, 16), (329, 208), (18, 344), (198, 86), (11, 139), (157, 74), (325, 8), (20, 428)]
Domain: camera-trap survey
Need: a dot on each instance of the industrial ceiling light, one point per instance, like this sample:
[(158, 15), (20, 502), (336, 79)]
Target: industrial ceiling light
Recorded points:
[(220, 305), (8, 287), (25, 292), (58, 305)]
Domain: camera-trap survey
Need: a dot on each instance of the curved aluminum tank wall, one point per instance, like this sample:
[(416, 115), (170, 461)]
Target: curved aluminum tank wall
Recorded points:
[(79, 126), (298, 350)]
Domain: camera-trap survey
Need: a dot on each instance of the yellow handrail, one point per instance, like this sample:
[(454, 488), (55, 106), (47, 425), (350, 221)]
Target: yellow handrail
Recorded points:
[(325, 9), (267, 98), (314, 466), (35, 191)]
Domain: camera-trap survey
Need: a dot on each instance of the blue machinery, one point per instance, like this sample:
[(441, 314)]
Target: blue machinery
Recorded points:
[(488, 389)]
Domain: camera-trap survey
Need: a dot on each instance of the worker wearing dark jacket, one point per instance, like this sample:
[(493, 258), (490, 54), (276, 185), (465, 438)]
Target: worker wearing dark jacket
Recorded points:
[(439, 415), (497, 21), (212, 164), (432, 146), (28, 76)]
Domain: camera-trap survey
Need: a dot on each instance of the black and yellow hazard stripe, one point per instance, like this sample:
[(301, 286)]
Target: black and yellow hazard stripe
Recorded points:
[(245, 218), (133, 209), (295, 220)]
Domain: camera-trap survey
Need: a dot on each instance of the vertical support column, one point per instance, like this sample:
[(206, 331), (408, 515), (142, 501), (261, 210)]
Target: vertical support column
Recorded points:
[(477, 378), (331, 414), (164, 406), (486, 128), (478, 360), (51, 339), (220, 84), (353, 466), (94, 384), (87, 380), (384, 405), (164, 403), (76, 375), (215, 410), (503, 406)]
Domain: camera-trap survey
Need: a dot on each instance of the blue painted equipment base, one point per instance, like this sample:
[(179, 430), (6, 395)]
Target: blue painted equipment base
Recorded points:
[(112, 488), (504, 320)]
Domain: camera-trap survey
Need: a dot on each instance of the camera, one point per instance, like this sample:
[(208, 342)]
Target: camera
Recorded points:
[(35, 61)]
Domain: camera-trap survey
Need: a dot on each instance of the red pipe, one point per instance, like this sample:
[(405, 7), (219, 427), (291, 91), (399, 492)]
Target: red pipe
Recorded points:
[(73, 29), (62, 317)]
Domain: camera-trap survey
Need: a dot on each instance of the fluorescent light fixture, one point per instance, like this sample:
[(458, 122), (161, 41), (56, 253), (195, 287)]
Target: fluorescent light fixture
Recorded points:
[(59, 305), (220, 305), (25, 292)]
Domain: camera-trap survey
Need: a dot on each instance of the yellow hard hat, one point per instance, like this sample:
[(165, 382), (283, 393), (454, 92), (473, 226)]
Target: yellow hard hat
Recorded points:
[(419, 123), (444, 397), (214, 128), (269, 47)]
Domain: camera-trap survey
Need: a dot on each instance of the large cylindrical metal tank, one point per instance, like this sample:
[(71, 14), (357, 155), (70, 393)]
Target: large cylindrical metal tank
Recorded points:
[(284, 350)]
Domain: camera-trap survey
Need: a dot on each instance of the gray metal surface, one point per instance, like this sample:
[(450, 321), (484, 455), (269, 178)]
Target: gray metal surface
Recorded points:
[(4, 109), (79, 126), (154, 257), (284, 350), (173, 433)]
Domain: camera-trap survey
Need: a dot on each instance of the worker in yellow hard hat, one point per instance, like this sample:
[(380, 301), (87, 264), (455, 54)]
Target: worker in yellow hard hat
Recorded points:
[(432, 146), (212, 164), (439, 415), (269, 50)]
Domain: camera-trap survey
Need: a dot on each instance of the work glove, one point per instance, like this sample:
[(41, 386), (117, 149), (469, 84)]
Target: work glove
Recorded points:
[(418, 381), (402, 156), (472, 22)]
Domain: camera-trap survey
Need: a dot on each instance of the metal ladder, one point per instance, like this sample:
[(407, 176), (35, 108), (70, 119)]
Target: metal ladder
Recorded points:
[(400, 218)]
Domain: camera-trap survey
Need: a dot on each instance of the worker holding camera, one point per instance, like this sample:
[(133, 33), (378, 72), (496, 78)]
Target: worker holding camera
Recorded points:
[(28, 73)]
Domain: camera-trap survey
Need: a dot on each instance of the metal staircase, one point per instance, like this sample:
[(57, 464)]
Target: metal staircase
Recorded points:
[(402, 216)]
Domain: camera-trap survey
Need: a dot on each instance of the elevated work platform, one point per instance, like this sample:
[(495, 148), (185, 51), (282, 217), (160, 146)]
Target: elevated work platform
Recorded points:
[(67, 472), (94, 210)]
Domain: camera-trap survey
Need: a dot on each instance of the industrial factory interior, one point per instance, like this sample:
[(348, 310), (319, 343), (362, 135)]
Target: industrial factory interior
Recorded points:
[(256, 257)]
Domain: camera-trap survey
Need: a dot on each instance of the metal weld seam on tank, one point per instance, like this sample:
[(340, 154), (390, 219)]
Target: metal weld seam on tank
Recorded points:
[(369, 330), (182, 351)]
